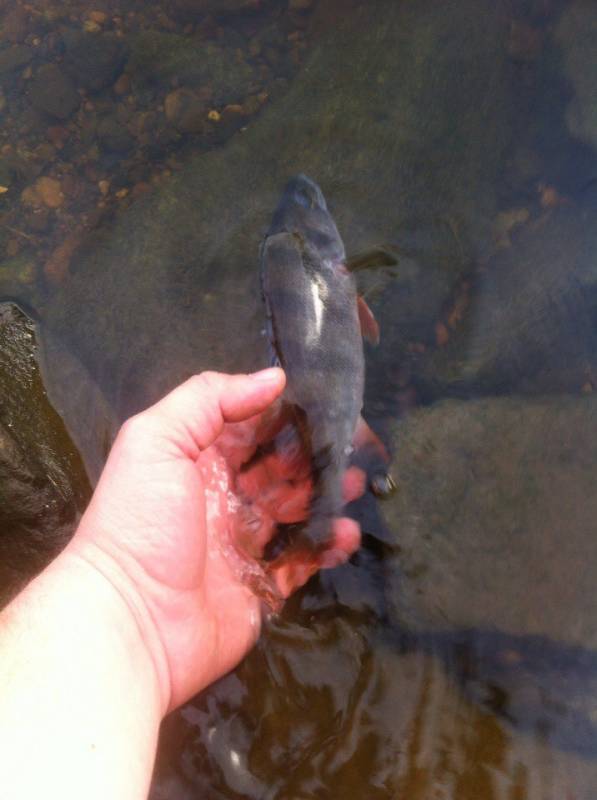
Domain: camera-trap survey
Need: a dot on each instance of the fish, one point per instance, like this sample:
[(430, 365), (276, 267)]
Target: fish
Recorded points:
[(315, 323)]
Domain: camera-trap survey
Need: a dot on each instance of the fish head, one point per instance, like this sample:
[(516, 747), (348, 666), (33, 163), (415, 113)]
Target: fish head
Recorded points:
[(302, 210)]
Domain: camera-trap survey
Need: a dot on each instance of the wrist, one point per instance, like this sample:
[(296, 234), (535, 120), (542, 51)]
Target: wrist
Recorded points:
[(122, 606)]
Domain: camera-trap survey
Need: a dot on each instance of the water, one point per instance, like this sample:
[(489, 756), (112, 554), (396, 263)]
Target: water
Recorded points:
[(455, 655)]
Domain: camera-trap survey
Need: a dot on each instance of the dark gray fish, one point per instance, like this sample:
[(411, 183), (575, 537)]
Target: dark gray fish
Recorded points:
[(314, 325)]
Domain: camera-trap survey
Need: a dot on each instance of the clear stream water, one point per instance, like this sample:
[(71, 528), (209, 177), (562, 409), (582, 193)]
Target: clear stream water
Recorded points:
[(143, 148)]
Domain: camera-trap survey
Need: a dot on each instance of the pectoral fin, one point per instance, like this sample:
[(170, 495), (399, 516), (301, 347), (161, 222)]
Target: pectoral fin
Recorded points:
[(369, 326), (371, 455), (383, 255)]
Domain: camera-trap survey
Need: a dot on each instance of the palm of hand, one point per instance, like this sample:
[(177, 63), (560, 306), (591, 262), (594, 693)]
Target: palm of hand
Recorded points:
[(174, 503)]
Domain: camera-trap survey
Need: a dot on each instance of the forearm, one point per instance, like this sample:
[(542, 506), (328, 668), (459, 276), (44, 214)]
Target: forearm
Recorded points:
[(80, 700)]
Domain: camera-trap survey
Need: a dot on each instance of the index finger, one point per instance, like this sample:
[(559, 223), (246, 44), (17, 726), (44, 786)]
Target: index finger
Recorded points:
[(192, 416)]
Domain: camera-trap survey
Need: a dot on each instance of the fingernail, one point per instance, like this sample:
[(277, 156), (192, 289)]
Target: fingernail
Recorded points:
[(270, 375)]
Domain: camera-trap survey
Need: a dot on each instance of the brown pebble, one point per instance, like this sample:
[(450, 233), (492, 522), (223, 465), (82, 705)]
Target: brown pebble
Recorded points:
[(587, 388), (89, 26), (416, 347), (29, 197), (58, 136), (442, 335), (104, 187), (140, 189), (49, 191), (15, 24), (12, 247), (233, 108), (98, 16), (251, 105), (122, 193), (57, 266), (458, 309), (185, 110), (214, 115), (548, 196), (122, 85)]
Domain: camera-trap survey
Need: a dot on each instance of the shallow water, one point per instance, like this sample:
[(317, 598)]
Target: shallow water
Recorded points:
[(455, 656)]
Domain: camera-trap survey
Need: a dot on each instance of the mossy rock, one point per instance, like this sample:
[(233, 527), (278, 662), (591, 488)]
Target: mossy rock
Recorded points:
[(43, 485)]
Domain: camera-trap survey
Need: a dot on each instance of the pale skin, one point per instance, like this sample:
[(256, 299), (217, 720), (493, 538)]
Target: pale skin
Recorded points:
[(144, 608)]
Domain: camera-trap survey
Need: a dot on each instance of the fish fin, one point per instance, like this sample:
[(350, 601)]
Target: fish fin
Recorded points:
[(371, 455), (369, 325), (382, 255)]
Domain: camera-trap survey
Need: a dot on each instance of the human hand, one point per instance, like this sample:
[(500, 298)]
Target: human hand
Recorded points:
[(172, 506)]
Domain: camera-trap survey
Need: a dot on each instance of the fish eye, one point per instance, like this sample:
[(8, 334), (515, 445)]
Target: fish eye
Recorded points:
[(304, 198)]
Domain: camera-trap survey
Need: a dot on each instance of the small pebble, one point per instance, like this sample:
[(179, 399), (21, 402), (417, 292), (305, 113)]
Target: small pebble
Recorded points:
[(98, 16), (89, 26), (140, 189), (122, 193), (12, 248), (49, 191), (104, 187), (441, 334), (548, 196), (214, 115), (122, 85)]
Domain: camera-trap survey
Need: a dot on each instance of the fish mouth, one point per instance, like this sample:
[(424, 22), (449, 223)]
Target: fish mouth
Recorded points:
[(305, 192)]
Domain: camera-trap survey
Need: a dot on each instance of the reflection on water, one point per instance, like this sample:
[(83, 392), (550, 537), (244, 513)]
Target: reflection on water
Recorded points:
[(142, 150)]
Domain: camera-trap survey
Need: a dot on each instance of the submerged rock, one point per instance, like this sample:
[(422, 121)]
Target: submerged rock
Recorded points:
[(53, 92), (575, 34), (43, 486), (113, 136), (530, 326), (93, 59), (494, 520), (13, 58)]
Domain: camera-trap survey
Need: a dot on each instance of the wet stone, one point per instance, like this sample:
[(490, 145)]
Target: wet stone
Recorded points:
[(43, 488), (113, 136), (53, 92), (494, 518), (13, 58), (93, 60), (185, 111), (15, 24), (575, 34), (529, 327)]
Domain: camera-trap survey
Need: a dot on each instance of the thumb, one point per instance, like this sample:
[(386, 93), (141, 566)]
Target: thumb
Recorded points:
[(192, 416)]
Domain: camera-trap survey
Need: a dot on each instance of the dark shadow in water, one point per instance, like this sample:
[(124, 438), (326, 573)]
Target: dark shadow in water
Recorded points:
[(535, 684)]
